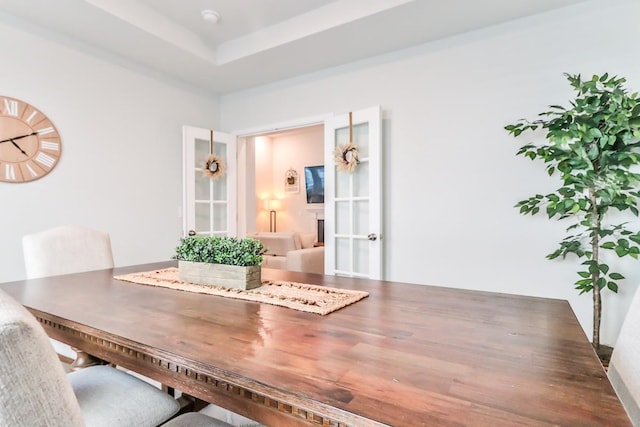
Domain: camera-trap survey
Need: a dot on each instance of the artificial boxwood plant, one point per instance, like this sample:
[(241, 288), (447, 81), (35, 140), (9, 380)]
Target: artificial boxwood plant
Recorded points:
[(593, 146), (220, 250)]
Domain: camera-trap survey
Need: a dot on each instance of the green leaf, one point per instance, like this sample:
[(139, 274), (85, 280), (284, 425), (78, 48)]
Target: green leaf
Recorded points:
[(612, 286), (608, 245), (584, 274), (551, 210), (616, 276), (620, 251)]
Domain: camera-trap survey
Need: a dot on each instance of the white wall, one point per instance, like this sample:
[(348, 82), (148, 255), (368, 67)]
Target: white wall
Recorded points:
[(263, 182), (120, 169), (296, 149), (451, 175)]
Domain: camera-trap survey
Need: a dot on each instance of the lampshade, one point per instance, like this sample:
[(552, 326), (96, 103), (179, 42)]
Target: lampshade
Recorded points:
[(272, 204)]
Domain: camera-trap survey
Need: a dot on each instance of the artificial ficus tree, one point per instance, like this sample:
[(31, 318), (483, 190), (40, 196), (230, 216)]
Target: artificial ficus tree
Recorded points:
[(593, 146)]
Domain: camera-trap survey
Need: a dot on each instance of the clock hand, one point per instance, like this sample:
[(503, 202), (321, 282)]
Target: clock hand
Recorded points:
[(19, 137), (18, 147)]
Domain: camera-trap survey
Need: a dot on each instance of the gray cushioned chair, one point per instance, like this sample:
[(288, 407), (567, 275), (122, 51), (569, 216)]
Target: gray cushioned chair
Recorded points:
[(624, 367), (35, 391), (65, 250), (195, 419)]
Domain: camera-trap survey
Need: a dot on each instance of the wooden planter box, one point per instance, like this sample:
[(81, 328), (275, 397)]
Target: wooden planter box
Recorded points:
[(228, 276)]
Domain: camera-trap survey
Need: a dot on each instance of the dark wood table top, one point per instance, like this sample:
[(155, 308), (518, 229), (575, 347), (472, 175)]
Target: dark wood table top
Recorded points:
[(407, 355)]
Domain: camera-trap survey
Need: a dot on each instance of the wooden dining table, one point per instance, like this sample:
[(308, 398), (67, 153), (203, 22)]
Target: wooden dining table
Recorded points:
[(406, 355)]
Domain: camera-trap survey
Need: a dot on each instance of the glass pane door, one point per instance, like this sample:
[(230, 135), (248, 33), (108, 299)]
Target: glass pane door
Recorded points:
[(209, 191), (352, 198)]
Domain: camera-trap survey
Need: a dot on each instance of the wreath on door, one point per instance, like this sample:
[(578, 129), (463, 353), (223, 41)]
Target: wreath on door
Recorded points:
[(346, 156), (214, 167)]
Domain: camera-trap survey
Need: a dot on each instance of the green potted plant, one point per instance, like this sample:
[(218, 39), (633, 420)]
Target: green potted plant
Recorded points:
[(594, 148), (219, 260)]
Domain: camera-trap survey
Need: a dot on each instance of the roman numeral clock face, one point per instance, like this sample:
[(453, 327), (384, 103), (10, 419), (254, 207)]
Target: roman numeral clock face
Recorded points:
[(30, 145)]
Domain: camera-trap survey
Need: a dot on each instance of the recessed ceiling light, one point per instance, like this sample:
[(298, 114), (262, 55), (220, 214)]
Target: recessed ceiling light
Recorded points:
[(210, 16)]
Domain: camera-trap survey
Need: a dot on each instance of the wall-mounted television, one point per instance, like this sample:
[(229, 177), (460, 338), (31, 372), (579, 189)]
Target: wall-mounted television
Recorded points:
[(314, 183)]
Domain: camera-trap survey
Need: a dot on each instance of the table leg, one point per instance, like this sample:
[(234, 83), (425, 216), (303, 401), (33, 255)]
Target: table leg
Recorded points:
[(84, 360)]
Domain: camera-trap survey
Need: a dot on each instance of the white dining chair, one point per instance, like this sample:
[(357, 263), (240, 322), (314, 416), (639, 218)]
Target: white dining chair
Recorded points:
[(35, 391), (624, 367), (64, 250)]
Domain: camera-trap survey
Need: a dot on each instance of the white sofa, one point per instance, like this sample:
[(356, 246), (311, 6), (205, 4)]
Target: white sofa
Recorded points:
[(291, 251)]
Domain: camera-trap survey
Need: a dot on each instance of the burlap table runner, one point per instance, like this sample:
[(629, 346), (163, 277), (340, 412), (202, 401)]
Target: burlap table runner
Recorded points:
[(299, 296)]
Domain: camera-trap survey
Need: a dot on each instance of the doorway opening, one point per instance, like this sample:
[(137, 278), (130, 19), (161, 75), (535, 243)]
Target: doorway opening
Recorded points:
[(275, 186), (352, 203)]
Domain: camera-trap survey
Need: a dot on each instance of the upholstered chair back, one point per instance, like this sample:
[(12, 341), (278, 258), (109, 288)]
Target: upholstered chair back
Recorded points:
[(624, 367), (65, 250), (34, 390)]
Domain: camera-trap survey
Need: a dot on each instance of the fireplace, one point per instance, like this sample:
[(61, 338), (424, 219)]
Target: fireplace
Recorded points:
[(321, 231)]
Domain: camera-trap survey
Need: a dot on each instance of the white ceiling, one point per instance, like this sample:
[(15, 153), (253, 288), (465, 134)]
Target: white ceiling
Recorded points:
[(255, 41)]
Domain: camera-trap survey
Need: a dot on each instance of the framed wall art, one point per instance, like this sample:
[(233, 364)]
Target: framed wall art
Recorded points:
[(291, 181)]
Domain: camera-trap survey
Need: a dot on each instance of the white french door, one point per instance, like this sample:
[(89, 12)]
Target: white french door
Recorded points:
[(353, 208), (209, 204)]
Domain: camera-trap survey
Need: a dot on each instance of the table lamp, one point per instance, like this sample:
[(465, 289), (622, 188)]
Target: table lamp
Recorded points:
[(272, 205)]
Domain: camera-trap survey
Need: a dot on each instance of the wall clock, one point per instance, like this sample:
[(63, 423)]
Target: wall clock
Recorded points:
[(30, 145)]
